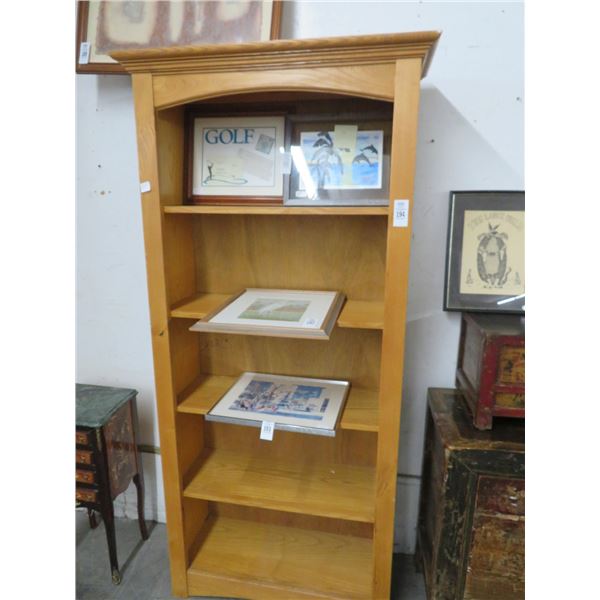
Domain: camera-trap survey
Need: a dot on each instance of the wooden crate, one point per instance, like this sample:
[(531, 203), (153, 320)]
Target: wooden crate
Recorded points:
[(491, 366), (471, 528)]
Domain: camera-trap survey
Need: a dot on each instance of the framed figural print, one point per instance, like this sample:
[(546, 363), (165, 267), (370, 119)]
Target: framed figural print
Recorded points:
[(235, 159), (485, 259), (339, 162), (299, 404), (105, 26)]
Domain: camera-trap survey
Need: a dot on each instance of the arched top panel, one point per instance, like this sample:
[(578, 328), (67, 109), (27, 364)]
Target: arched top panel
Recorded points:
[(366, 81)]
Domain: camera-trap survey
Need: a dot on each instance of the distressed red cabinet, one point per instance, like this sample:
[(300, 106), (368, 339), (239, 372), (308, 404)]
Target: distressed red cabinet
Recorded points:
[(471, 529), (491, 366)]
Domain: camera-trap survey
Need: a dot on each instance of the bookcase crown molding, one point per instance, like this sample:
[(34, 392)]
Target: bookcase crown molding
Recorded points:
[(281, 54)]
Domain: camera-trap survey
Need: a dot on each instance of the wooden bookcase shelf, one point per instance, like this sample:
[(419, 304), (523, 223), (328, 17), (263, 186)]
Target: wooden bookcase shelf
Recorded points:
[(360, 412), (322, 211), (276, 561), (302, 516), (288, 484), (359, 314)]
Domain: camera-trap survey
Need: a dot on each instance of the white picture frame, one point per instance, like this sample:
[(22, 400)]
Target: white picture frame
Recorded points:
[(236, 157), (298, 404), (276, 313)]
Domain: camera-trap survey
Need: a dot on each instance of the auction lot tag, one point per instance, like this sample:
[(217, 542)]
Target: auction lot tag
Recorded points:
[(84, 53), (400, 213), (266, 430)]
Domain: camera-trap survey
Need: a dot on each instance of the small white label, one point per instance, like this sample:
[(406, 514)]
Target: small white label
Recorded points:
[(266, 431), (400, 213), (145, 187), (286, 163), (84, 53), (310, 322)]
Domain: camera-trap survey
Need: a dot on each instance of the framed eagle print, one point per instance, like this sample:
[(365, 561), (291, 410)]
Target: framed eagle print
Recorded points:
[(485, 258)]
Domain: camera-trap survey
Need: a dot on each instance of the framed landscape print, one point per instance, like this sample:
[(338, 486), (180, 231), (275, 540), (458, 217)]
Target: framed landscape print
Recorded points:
[(106, 26), (296, 404), (276, 313), (341, 163), (232, 159), (485, 259)]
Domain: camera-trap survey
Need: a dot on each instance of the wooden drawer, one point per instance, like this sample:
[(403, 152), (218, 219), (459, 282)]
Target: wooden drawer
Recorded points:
[(85, 495), (84, 457), (85, 476), (82, 438)]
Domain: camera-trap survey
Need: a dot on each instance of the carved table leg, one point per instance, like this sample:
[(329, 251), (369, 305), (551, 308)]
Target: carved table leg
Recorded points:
[(109, 524), (138, 480)]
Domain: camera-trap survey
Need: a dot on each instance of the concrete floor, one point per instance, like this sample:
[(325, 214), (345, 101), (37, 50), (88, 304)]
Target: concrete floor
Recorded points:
[(145, 566)]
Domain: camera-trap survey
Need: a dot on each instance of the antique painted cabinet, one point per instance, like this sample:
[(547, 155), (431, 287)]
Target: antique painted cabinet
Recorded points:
[(491, 366), (471, 530), (301, 516)]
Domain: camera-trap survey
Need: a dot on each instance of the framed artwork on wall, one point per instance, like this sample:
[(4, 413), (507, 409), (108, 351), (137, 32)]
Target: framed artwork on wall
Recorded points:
[(105, 26), (485, 257)]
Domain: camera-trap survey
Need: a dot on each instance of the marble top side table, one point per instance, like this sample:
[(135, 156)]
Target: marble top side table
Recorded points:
[(106, 457)]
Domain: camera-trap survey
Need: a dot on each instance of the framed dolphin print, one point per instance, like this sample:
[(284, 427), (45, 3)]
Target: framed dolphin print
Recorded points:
[(485, 258), (339, 161)]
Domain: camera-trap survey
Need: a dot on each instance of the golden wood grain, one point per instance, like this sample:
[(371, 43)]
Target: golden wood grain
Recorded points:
[(322, 211), (360, 412), (289, 54), (342, 253), (374, 81), (254, 560), (342, 486), (355, 314), (404, 140), (159, 313), (289, 483)]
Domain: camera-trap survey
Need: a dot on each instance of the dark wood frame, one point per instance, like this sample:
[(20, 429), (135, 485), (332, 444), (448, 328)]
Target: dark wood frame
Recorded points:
[(115, 68), (188, 163), (474, 200), (358, 197)]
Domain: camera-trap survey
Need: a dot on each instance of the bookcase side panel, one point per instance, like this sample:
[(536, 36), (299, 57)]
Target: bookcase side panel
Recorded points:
[(406, 105), (159, 315)]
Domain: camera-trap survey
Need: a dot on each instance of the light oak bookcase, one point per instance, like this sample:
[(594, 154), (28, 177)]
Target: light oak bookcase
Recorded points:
[(302, 516)]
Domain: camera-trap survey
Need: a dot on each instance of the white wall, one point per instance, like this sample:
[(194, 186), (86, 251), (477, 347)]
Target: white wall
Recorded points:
[(470, 137)]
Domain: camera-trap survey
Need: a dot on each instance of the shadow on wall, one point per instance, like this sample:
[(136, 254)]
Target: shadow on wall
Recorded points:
[(452, 154)]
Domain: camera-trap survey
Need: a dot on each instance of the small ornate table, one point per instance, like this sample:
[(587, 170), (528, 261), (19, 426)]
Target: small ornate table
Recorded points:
[(106, 457)]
